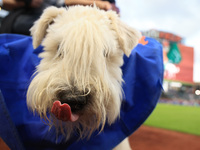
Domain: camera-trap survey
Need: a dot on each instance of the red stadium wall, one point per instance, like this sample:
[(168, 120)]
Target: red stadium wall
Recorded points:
[(182, 72)]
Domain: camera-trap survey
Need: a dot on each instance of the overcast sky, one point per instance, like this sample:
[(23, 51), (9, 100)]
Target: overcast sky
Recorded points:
[(181, 17)]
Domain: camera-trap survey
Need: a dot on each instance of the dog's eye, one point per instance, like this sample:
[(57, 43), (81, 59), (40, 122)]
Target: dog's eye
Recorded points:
[(59, 54), (105, 53), (58, 47), (50, 23)]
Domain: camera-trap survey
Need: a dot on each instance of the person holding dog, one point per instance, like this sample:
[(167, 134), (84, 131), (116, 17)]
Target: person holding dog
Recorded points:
[(23, 13)]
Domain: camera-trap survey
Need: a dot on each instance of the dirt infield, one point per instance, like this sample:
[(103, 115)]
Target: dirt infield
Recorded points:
[(150, 138)]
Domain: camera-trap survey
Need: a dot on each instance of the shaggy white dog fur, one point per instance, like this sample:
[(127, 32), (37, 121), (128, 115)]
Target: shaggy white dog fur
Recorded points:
[(78, 81)]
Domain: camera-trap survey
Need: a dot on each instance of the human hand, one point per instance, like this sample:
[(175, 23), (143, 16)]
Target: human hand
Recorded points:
[(99, 3), (105, 5), (115, 8)]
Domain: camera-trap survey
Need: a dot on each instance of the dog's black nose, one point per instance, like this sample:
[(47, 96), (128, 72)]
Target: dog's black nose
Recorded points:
[(76, 101)]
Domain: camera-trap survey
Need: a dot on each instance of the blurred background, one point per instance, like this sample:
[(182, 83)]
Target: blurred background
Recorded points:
[(175, 122)]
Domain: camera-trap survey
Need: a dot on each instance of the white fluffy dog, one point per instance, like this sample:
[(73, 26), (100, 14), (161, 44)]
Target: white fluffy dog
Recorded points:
[(78, 81)]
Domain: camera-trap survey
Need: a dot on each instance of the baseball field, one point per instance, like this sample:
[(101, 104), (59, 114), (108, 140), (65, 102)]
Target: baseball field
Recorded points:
[(176, 117), (169, 127)]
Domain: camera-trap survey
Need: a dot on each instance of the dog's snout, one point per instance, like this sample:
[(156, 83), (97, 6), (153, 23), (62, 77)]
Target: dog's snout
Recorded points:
[(77, 101)]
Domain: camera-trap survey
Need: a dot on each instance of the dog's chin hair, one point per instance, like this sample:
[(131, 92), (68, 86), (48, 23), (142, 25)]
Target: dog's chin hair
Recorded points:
[(82, 128), (94, 118), (86, 125)]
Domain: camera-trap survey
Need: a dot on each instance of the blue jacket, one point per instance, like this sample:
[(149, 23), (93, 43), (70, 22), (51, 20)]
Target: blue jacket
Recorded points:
[(19, 128)]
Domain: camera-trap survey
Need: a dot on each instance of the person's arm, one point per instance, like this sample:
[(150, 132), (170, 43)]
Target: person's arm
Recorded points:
[(11, 4)]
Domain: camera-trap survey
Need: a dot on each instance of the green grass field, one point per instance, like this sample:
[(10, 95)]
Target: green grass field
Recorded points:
[(174, 117)]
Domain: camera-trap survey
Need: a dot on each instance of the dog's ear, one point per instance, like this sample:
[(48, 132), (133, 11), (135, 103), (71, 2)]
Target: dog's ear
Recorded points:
[(38, 31), (128, 37)]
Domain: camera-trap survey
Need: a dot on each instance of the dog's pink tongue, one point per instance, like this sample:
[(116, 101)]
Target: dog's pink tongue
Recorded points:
[(63, 112)]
